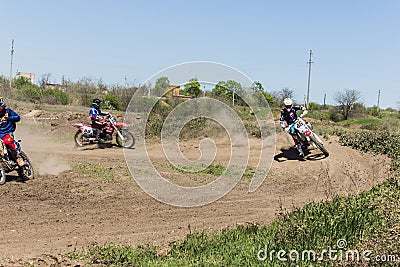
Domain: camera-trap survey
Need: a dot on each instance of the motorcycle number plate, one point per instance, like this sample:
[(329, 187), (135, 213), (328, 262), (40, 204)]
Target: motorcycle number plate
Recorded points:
[(87, 130), (299, 124)]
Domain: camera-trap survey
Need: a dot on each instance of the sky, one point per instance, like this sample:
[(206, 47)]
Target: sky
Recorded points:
[(355, 44)]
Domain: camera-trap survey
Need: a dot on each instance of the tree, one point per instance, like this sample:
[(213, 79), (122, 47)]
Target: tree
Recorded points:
[(398, 103), (229, 89), (4, 83), (193, 87), (280, 95), (161, 86), (21, 82), (346, 100), (220, 89), (111, 101), (258, 90), (44, 80)]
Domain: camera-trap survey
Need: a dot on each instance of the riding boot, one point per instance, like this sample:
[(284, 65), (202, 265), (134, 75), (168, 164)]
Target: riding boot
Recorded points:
[(99, 135), (301, 152), (20, 161)]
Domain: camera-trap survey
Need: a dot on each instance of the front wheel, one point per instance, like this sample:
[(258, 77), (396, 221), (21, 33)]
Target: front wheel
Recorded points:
[(26, 172), (319, 144), (2, 175), (129, 139)]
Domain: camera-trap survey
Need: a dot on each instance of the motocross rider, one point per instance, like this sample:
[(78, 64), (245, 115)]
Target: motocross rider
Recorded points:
[(7, 128), (98, 122), (288, 116)]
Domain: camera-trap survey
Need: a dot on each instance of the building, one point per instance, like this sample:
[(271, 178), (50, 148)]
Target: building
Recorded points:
[(29, 75), (173, 91)]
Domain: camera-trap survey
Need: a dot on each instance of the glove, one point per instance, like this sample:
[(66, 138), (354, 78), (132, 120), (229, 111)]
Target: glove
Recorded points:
[(5, 118), (305, 111), (287, 129)]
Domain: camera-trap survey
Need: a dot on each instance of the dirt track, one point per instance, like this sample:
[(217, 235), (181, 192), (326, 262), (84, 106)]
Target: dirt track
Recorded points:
[(63, 209)]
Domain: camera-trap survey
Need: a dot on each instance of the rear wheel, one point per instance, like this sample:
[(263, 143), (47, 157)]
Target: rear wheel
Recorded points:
[(2, 175), (80, 139), (26, 172), (319, 144), (129, 139)]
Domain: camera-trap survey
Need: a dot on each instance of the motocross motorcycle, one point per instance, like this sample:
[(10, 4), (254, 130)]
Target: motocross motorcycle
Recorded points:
[(306, 136), (86, 135), (8, 163)]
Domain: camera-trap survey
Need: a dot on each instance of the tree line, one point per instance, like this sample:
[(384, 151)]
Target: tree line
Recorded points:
[(81, 92)]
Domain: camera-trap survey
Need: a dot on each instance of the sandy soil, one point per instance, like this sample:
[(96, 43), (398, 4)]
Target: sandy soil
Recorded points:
[(65, 208)]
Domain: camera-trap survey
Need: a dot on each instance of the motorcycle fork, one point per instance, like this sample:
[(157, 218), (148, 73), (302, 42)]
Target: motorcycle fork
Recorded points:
[(119, 133)]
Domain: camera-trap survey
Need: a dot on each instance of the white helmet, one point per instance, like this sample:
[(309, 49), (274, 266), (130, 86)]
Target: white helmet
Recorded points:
[(288, 103)]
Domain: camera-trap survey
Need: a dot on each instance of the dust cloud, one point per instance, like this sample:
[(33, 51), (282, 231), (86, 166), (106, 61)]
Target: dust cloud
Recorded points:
[(42, 150)]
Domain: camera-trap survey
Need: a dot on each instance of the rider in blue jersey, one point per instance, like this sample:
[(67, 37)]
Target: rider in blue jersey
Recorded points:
[(8, 120), (96, 115), (288, 116)]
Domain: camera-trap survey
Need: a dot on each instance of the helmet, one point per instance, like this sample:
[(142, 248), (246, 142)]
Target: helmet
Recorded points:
[(288, 103), (96, 103), (2, 105)]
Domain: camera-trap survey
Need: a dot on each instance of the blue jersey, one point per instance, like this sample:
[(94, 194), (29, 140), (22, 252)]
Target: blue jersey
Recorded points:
[(290, 116), (8, 122), (95, 113)]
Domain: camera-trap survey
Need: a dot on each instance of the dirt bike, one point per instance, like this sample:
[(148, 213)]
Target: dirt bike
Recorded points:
[(86, 134), (306, 136), (8, 163)]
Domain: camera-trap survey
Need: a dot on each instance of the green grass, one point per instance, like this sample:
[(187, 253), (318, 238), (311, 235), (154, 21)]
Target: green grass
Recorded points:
[(379, 142), (317, 226), (95, 171), (362, 121), (366, 221), (215, 169)]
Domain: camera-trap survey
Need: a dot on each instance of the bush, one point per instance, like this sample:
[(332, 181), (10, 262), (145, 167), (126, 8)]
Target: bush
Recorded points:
[(374, 111), (29, 92), (61, 97), (335, 115), (33, 93), (315, 106), (111, 101), (382, 142)]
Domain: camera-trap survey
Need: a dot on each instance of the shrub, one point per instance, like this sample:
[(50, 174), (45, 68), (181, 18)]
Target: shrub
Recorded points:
[(335, 115), (33, 93), (315, 106), (111, 101), (61, 97), (29, 92), (382, 142)]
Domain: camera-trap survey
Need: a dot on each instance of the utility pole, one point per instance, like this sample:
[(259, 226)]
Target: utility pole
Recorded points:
[(324, 99), (11, 62), (379, 98), (125, 82), (309, 77)]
